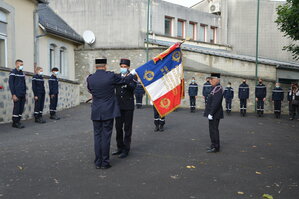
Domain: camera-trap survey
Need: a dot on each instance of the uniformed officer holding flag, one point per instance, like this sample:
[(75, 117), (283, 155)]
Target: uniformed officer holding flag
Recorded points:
[(214, 112), (277, 98), (104, 109)]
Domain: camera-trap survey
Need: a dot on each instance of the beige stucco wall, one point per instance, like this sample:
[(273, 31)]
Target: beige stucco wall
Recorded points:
[(20, 39), (43, 61)]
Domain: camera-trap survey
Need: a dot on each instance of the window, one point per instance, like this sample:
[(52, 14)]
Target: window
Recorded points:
[(181, 28), (192, 30), (52, 56), (168, 26), (203, 32), (3, 39), (62, 59), (213, 37), (3, 23)]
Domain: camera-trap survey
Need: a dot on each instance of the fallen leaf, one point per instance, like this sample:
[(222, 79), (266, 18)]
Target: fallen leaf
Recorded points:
[(56, 181), (240, 192), (258, 173), (253, 146), (21, 168), (267, 196), (190, 167), (175, 177)]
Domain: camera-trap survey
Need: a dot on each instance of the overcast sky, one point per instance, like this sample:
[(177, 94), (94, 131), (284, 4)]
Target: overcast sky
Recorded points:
[(186, 3)]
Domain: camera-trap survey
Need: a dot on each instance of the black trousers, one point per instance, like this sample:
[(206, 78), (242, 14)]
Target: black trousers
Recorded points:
[(39, 105), (295, 110), (192, 102), (277, 107), (243, 105), (228, 104), (53, 104), (18, 109), (102, 139), (158, 120), (123, 126), (138, 100), (260, 105), (214, 133)]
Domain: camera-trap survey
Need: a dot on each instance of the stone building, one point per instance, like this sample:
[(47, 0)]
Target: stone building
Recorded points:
[(120, 28), (32, 32)]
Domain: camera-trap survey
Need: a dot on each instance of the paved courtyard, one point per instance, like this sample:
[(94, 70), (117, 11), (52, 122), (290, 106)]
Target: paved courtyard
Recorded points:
[(55, 160)]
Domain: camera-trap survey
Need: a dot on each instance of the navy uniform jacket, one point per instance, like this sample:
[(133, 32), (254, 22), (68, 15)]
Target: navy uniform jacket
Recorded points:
[(139, 89), (38, 85), (207, 87), (214, 103), (17, 83), (243, 91), (277, 94), (53, 85), (125, 94), (193, 89), (101, 85), (260, 91), (228, 93)]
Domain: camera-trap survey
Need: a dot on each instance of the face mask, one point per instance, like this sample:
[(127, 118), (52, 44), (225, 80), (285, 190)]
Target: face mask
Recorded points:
[(21, 67), (192, 80), (123, 70), (56, 73), (40, 73), (244, 82), (228, 85)]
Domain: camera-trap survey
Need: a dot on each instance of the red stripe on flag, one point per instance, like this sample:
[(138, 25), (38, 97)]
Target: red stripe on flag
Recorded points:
[(169, 102)]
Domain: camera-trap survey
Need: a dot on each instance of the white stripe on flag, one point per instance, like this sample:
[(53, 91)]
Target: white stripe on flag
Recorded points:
[(165, 84)]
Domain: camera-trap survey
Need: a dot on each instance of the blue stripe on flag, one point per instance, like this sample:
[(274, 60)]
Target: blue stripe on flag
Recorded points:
[(151, 72)]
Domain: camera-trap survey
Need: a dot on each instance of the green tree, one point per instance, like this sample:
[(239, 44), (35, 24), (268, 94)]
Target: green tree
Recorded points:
[(288, 23)]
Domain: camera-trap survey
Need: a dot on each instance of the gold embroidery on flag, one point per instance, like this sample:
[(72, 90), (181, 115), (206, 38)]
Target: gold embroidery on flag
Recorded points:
[(165, 103), (149, 75)]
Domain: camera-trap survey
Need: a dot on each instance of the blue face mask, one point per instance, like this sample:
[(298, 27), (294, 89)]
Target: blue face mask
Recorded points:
[(192, 80), (40, 73), (56, 73), (123, 70), (21, 67)]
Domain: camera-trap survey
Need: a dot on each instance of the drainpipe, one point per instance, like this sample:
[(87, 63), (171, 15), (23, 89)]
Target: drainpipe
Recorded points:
[(257, 45), (147, 37)]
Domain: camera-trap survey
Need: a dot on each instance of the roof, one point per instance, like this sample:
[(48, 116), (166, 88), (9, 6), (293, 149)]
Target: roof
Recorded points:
[(55, 25), (227, 54)]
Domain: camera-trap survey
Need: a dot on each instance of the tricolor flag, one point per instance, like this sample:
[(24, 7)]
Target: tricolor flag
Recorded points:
[(163, 79)]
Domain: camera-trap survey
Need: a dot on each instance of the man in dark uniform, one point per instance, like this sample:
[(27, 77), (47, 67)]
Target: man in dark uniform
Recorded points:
[(277, 98), (243, 96), (38, 88), (17, 87), (53, 92), (214, 112), (193, 92), (123, 124), (260, 94), (229, 96), (206, 90), (139, 92), (294, 94), (289, 98), (158, 121), (104, 109)]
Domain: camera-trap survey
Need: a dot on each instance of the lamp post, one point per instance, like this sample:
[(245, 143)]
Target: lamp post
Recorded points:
[(257, 45), (147, 36)]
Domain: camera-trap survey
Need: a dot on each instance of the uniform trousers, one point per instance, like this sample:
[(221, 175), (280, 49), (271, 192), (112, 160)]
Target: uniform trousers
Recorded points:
[(214, 133), (39, 105), (243, 105), (228, 104), (138, 100), (260, 105), (53, 104), (192, 102), (277, 106), (102, 138), (18, 109), (123, 126), (158, 119)]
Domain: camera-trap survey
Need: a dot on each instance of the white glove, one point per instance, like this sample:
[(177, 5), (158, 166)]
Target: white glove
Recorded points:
[(133, 72), (210, 117)]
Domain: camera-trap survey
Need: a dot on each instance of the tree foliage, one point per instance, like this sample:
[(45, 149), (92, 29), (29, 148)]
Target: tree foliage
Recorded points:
[(288, 23)]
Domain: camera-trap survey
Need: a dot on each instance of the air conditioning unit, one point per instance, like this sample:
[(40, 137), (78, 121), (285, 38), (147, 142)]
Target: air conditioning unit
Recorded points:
[(214, 7)]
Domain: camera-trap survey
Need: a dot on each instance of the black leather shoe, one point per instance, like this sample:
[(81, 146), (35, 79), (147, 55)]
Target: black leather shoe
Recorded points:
[(212, 150), (156, 128), (18, 125), (161, 129), (40, 121), (54, 117), (118, 152), (106, 167), (123, 155)]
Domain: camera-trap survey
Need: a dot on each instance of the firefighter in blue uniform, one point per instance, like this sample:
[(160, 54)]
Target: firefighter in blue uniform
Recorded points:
[(243, 96), (229, 96), (158, 121), (260, 97), (277, 98), (17, 85), (206, 90), (214, 112), (104, 109), (125, 98), (38, 88), (53, 92), (139, 92), (193, 92)]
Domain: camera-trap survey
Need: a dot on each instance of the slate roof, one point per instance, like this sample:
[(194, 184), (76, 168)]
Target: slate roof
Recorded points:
[(55, 25), (227, 54)]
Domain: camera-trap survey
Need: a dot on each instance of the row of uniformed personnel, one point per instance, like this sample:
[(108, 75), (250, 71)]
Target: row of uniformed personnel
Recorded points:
[(17, 85), (243, 94)]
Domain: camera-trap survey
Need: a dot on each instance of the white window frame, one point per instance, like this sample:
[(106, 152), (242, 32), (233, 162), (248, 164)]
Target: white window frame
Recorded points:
[(205, 32), (171, 25), (63, 60), (214, 33), (5, 49), (183, 28), (194, 30), (52, 60)]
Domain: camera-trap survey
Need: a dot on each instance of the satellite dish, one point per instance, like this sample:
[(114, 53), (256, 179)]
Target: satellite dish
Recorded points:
[(89, 37)]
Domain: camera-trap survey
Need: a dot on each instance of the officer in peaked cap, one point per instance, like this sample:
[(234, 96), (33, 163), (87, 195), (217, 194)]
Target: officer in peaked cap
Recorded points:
[(125, 98), (104, 109), (214, 112)]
